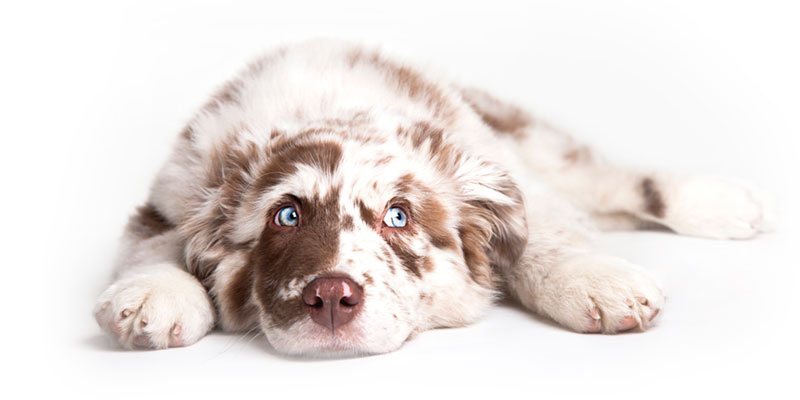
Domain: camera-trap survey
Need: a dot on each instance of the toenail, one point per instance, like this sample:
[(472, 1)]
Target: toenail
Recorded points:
[(629, 302)]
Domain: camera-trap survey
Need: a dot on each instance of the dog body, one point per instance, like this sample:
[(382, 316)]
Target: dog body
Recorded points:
[(341, 201)]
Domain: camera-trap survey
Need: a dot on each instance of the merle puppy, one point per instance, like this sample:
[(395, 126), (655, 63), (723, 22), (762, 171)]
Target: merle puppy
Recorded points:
[(342, 201)]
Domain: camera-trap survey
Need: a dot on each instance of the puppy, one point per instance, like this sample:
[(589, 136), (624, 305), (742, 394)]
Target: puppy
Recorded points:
[(340, 201)]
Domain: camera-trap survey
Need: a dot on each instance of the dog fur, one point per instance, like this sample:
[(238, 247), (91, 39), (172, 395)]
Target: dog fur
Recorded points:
[(498, 203)]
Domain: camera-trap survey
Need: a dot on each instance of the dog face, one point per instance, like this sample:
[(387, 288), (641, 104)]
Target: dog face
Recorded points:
[(347, 237)]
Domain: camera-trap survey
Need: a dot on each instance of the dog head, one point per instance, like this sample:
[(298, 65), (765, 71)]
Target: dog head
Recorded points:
[(347, 237)]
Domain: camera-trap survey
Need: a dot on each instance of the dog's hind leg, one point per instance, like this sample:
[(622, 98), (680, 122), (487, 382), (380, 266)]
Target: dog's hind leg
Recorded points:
[(569, 188), (624, 198)]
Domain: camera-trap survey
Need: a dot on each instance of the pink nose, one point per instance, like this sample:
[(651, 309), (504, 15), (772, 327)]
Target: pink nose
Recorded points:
[(332, 302)]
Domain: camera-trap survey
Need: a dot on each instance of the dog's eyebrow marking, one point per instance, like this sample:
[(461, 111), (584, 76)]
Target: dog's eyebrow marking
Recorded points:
[(324, 155)]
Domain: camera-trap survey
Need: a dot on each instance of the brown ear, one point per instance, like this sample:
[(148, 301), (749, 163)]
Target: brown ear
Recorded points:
[(493, 229)]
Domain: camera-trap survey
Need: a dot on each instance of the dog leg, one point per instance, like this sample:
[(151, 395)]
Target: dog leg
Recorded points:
[(620, 198), (153, 302), (562, 274)]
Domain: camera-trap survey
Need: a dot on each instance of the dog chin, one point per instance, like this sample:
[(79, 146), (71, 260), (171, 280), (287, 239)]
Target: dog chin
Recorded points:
[(311, 340)]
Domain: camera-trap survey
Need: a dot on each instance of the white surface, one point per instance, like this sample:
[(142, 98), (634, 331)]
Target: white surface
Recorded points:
[(93, 95)]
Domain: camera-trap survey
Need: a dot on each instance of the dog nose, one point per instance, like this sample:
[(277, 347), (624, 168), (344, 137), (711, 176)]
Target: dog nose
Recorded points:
[(332, 302)]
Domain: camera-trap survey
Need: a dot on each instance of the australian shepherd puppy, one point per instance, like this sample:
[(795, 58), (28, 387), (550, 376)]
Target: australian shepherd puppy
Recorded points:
[(340, 201)]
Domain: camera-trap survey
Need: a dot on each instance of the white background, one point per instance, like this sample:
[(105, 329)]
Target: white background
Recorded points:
[(94, 94)]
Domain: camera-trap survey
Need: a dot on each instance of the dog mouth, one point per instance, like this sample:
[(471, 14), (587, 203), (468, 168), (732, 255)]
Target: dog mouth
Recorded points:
[(309, 338), (366, 334)]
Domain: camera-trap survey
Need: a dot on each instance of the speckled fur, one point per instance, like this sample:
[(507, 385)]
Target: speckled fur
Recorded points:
[(498, 202)]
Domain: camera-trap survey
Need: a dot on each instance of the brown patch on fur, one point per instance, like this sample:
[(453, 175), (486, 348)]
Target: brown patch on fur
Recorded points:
[(421, 133), (367, 279), (572, 156), (283, 254), (409, 260), (227, 94), (492, 235), (148, 222), (346, 222), (233, 167), (366, 214), (427, 264), (429, 214), (654, 202), (501, 117), (382, 161), (474, 240), (449, 158), (283, 161), (510, 234), (426, 298), (202, 264), (228, 175), (433, 220), (578, 155), (407, 81), (237, 170), (187, 132), (237, 296)]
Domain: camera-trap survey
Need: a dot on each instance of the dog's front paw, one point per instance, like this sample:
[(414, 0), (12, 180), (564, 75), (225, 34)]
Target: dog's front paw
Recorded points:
[(595, 293), (715, 208), (155, 307)]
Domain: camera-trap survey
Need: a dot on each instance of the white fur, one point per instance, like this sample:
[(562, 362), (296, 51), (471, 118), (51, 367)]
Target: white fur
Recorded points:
[(155, 306)]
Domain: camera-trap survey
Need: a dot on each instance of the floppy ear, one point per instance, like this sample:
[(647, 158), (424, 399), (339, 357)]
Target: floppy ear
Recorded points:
[(493, 229)]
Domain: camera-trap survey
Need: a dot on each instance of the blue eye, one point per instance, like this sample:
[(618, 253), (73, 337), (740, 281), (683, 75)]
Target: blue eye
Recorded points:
[(395, 218), (287, 216)]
